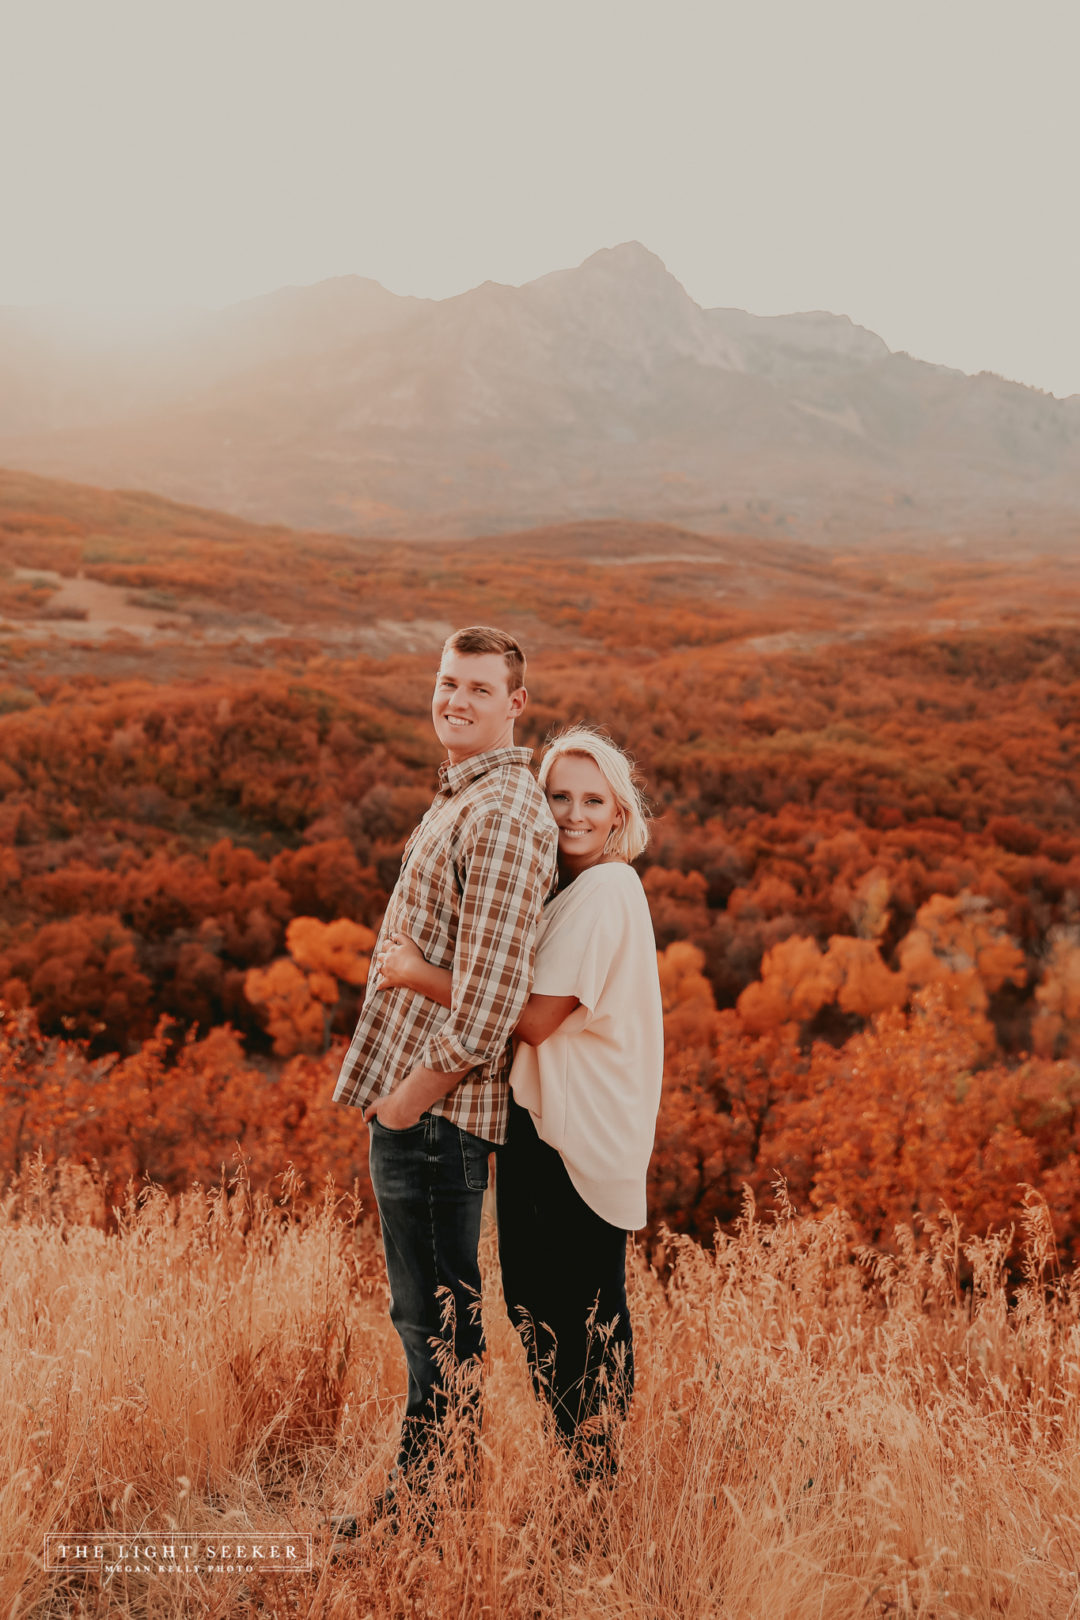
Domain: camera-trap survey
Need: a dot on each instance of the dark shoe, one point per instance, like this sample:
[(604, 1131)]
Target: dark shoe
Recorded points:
[(383, 1513), (343, 1527), (594, 1463)]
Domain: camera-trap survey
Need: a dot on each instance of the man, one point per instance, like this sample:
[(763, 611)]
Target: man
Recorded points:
[(433, 1082)]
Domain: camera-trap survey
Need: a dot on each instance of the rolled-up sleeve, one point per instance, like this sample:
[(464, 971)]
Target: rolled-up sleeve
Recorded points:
[(504, 869)]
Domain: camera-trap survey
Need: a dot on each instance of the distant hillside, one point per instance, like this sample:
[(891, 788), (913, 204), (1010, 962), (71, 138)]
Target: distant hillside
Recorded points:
[(599, 392), (185, 566), (79, 563)]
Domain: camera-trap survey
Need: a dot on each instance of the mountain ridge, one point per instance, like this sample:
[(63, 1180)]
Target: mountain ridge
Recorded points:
[(601, 391)]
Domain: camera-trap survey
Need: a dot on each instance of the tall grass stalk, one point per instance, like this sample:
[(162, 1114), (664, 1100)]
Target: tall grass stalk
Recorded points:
[(818, 1431)]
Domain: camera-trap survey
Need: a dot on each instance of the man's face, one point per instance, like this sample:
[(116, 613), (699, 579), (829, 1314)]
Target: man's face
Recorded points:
[(471, 709)]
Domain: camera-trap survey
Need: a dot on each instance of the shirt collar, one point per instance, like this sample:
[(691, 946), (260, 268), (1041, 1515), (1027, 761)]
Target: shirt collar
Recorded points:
[(452, 778)]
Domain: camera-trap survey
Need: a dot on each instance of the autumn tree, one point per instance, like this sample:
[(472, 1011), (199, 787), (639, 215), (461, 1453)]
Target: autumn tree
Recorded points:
[(1055, 1029), (299, 994), (961, 944)]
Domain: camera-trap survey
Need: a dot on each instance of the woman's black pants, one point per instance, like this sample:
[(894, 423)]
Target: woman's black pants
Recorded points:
[(564, 1281)]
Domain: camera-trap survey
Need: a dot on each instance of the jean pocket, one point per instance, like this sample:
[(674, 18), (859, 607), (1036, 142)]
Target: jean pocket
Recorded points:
[(475, 1153), (388, 1130)]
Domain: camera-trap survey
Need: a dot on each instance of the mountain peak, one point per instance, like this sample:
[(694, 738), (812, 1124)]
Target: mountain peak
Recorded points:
[(631, 264), (628, 276), (627, 256), (625, 300)]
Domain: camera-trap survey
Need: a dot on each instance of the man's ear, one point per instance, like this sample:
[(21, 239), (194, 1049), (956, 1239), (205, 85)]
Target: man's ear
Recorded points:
[(518, 699)]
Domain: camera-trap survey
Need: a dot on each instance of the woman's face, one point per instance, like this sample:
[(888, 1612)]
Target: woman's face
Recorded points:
[(584, 809)]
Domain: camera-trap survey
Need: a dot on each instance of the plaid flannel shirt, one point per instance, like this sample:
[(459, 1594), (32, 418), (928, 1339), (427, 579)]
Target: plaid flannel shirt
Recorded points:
[(474, 877)]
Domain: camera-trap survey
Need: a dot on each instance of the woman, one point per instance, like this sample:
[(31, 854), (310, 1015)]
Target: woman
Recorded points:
[(586, 1089)]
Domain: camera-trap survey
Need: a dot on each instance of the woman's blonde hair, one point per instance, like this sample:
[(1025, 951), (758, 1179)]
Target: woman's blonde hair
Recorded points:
[(629, 838)]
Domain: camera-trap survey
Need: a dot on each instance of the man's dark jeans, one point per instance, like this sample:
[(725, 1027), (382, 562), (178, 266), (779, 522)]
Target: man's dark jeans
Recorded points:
[(429, 1184)]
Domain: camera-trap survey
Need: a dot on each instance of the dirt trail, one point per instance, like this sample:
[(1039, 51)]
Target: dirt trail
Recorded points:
[(103, 610), (96, 608)]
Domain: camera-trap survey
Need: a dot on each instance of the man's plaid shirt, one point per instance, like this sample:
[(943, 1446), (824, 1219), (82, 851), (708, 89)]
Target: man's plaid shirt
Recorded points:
[(474, 877)]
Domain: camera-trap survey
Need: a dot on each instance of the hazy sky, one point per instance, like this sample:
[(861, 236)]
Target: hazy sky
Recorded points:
[(910, 163)]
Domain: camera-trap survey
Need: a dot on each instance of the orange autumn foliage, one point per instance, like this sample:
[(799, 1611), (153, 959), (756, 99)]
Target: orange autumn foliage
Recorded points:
[(798, 979), (850, 812), (204, 816), (903, 1117), (907, 1117), (175, 1117), (962, 946), (299, 993), (1056, 1025)]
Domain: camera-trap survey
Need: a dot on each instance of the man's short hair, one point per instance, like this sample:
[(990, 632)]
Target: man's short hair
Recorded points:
[(481, 638)]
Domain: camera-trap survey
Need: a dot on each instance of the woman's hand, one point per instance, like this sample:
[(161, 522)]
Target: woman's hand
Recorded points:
[(401, 962)]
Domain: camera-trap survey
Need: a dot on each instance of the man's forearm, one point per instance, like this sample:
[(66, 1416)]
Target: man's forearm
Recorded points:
[(427, 1086), (414, 1096)]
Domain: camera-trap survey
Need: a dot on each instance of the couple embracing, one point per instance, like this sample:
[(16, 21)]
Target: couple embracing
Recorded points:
[(514, 1004)]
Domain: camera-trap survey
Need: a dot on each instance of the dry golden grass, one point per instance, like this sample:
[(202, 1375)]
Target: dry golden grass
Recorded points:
[(816, 1432)]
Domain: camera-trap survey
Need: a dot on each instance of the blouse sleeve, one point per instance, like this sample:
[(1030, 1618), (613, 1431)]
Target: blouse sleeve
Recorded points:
[(577, 952)]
